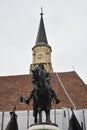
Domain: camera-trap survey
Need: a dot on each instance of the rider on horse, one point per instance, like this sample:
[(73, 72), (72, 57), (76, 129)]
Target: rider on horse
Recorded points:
[(47, 78)]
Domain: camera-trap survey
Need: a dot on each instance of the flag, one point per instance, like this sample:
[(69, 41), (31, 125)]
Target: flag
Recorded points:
[(73, 123), (12, 124)]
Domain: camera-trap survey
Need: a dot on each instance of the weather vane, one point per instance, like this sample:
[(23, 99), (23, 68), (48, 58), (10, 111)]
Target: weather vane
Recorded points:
[(41, 11)]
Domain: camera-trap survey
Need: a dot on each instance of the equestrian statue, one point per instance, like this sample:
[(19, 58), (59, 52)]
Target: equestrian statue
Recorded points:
[(42, 93)]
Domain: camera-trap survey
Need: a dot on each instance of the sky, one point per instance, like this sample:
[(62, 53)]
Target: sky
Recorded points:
[(66, 29)]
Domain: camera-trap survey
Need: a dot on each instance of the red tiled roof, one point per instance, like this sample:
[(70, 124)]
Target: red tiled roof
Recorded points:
[(72, 93)]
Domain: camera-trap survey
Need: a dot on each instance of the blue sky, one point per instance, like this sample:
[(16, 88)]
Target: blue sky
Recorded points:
[(66, 29)]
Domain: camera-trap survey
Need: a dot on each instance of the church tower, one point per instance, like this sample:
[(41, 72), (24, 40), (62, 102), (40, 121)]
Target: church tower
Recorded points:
[(41, 52)]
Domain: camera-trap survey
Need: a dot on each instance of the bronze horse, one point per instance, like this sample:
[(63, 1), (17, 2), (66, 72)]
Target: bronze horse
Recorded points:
[(42, 95)]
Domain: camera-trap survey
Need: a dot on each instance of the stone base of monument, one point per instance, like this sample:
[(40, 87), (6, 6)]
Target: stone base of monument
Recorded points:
[(44, 126)]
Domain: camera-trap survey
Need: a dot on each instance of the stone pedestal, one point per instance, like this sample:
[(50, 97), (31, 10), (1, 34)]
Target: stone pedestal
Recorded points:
[(44, 126)]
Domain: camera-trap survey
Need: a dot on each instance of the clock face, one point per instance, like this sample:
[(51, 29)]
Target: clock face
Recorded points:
[(40, 56)]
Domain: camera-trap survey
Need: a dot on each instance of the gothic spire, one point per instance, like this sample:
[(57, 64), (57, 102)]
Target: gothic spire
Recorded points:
[(41, 36)]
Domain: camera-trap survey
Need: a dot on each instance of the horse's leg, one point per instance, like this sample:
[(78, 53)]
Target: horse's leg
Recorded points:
[(47, 111), (35, 111), (40, 114), (35, 117)]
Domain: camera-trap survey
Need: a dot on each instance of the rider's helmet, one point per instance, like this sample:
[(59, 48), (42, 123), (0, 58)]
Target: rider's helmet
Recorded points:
[(41, 65)]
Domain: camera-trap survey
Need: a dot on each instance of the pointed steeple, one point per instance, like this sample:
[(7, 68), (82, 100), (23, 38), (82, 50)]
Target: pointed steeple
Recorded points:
[(41, 50), (41, 36)]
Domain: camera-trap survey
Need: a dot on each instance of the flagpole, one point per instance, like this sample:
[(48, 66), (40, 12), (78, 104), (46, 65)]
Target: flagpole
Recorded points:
[(84, 124), (28, 119), (2, 120)]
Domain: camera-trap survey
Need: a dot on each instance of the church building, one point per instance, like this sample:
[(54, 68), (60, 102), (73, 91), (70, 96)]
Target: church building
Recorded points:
[(42, 50), (68, 86)]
